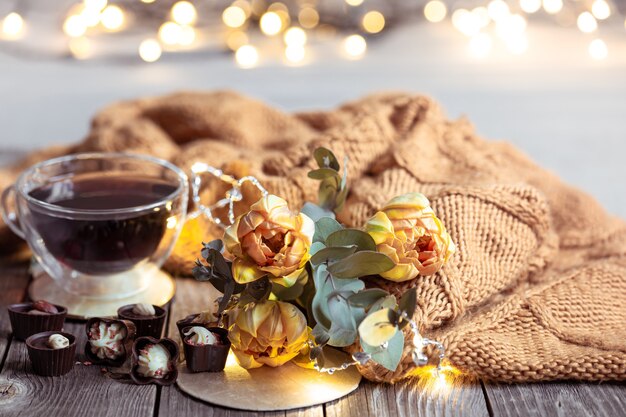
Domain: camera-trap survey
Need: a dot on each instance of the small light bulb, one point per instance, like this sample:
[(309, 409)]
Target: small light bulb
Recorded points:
[(530, 6), (373, 21), (354, 3), (112, 17), (247, 56), (308, 17), (598, 49), (552, 6), (150, 50), (295, 36), (435, 11), (355, 46), (234, 16), (601, 9), (271, 23), (74, 26), (184, 13), (12, 25), (586, 22)]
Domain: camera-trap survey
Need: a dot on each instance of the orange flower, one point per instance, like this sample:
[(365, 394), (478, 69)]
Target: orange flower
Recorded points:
[(268, 333), (270, 240), (408, 231)]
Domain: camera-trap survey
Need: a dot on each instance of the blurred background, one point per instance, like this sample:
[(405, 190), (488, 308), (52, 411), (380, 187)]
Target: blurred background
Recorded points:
[(546, 75)]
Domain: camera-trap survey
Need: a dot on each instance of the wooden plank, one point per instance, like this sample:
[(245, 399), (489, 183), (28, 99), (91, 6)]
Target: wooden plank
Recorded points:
[(13, 283), (192, 297), (567, 399), (465, 398)]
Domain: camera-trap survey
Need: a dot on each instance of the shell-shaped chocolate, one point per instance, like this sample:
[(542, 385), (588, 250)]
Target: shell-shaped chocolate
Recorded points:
[(109, 340), (162, 373)]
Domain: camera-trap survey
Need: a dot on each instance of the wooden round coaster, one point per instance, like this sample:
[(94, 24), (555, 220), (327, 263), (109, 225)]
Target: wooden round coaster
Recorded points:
[(270, 389)]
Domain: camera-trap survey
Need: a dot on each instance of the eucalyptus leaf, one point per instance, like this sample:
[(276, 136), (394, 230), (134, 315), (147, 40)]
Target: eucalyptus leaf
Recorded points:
[(256, 291), (324, 174), (387, 302), (408, 302), (320, 334), (389, 357), (325, 227), (291, 293), (349, 237), (337, 253), (316, 247), (343, 330), (326, 159), (366, 298), (316, 212), (361, 264)]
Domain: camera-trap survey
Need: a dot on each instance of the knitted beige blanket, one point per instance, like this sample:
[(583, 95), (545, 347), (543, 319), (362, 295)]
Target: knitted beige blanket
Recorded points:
[(537, 287)]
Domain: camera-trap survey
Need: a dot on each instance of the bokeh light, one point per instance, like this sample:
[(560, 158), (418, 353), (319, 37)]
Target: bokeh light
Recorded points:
[(480, 45), (354, 3), (80, 48), (373, 21), (112, 17), (598, 49), (530, 6), (271, 24), (435, 11), (170, 33), (295, 53), (354, 46), (552, 6), (150, 50), (295, 36), (74, 26), (601, 9), (586, 22), (184, 13), (498, 9), (12, 25), (247, 56), (236, 39), (234, 16), (308, 17)]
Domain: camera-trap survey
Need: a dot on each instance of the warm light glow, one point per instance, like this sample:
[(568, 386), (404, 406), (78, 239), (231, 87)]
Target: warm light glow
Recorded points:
[(187, 35), (517, 44), (466, 22), (184, 13), (601, 9), (354, 2), (112, 17), (247, 56), (480, 45), (373, 21), (586, 22), (481, 14), (498, 9), (243, 5), (441, 382), (80, 48), (512, 26), (435, 11), (234, 16), (95, 4), (12, 25), (74, 26), (295, 36), (598, 49), (90, 16), (530, 6), (271, 24), (294, 53), (236, 39), (552, 6), (150, 50), (170, 33), (172, 222), (147, 1), (355, 46), (308, 17)]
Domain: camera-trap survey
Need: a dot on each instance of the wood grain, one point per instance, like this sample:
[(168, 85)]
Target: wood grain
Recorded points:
[(13, 282), (565, 399)]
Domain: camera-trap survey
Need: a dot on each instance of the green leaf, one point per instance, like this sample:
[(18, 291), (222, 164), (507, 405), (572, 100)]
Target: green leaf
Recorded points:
[(361, 264), (316, 212), (326, 159), (320, 334), (324, 227), (343, 324), (256, 291), (408, 302), (349, 237), (387, 302), (389, 357), (325, 174), (366, 298), (337, 253)]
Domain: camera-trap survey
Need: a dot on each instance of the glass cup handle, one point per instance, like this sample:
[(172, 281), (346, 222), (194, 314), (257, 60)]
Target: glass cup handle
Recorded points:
[(9, 217)]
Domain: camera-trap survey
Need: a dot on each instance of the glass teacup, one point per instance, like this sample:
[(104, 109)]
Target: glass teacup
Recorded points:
[(98, 222)]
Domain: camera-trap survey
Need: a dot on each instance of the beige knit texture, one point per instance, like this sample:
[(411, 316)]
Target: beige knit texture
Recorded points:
[(537, 287)]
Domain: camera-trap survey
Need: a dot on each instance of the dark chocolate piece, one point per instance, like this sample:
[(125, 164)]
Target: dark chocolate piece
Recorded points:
[(106, 348), (25, 324), (143, 343), (187, 321), (146, 325), (47, 361), (207, 358)]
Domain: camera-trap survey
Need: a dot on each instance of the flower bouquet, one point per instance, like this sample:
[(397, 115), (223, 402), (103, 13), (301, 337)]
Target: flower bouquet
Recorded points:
[(295, 282)]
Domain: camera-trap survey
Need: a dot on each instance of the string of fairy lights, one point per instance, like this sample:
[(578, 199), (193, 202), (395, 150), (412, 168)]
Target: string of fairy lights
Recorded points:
[(242, 26)]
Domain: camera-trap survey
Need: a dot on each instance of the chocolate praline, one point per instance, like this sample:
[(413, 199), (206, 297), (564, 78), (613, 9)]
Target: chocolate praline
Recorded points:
[(25, 324), (146, 325), (47, 361), (172, 348), (124, 343), (207, 358)]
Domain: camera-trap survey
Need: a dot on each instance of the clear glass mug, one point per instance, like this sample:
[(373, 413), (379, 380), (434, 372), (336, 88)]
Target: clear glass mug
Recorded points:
[(98, 223)]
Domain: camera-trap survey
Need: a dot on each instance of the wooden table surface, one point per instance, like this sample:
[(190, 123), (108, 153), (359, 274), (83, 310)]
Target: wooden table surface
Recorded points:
[(86, 391)]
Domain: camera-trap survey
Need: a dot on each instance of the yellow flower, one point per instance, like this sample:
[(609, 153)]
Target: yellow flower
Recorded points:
[(270, 240), (408, 231), (269, 333)]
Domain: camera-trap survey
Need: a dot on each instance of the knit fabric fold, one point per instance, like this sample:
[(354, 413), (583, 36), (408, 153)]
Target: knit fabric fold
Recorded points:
[(537, 288)]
